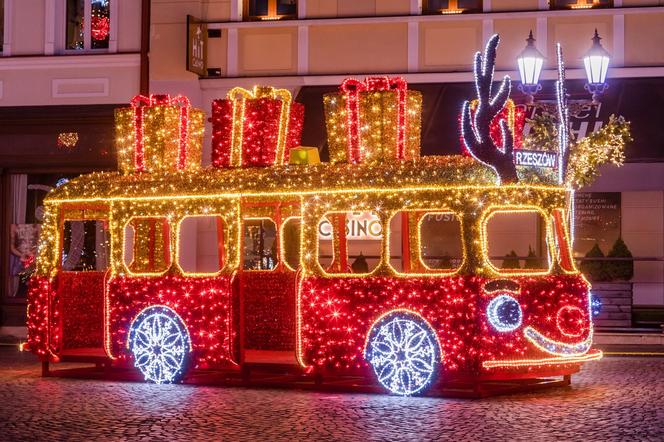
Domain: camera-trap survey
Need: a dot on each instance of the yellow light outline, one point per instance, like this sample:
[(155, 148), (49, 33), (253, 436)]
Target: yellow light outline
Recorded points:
[(358, 190), (593, 356), (126, 267), (459, 218), (282, 257), (345, 274), (178, 225), (484, 220)]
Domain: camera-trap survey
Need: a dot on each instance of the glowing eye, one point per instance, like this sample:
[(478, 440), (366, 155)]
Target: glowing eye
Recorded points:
[(504, 313)]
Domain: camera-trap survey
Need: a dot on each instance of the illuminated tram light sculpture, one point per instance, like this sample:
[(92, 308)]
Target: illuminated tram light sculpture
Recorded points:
[(409, 326)]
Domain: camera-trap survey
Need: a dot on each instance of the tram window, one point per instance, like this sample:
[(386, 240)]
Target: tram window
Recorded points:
[(441, 245), (147, 245), (363, 246), (85, 246), (290, 242), (397, 257), (201, 244), (325, 243), (259, 245), (517, 240)]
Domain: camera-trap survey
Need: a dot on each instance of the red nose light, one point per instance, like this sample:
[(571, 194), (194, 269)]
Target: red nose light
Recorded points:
[(572, 321)]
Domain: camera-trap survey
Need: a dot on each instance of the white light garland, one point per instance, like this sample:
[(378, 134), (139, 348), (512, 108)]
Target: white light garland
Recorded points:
[(402, 349), (504, 313), (160, 344)]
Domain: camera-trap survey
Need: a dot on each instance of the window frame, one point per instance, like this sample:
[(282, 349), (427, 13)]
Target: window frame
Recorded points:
[(425, 267), (282, 249), (426, 10), (272, 5), (347, 274), (489, 212), (61, 34), (224, 248), (127, 267), (554, 6)]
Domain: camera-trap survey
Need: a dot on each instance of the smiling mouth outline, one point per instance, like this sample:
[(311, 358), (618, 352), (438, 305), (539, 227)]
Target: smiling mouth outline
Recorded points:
[(556, 348)]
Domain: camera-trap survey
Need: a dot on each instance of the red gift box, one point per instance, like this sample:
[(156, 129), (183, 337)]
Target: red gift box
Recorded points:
[(255, 128)]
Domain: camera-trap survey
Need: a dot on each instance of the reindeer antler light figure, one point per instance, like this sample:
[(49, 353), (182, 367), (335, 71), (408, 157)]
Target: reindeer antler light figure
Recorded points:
[(475, 127)]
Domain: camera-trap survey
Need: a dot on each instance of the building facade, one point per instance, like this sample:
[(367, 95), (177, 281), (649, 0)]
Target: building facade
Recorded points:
[(310, 46), (64, 66)]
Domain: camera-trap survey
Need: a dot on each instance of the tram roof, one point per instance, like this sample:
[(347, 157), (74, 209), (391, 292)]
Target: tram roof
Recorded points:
[(451, 170)]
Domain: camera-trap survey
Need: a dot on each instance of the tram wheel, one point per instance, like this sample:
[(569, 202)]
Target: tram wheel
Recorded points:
[(404, 353), (160, 344)]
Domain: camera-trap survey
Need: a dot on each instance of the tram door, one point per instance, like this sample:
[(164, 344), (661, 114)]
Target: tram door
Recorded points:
[(80, 283), (270, 258)]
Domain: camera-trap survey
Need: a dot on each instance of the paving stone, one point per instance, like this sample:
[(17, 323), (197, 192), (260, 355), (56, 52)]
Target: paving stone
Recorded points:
[(613, 399)]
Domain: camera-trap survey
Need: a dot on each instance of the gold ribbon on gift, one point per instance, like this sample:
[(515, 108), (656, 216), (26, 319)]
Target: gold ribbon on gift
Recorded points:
[(238, 96)]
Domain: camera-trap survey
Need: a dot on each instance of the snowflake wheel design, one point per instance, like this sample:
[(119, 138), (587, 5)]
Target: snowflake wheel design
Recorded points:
[(160, 343), (403, 351)]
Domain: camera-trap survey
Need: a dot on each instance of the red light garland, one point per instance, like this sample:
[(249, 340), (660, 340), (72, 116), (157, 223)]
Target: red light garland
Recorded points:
[(255, 128), (204, 304), (337, 313)]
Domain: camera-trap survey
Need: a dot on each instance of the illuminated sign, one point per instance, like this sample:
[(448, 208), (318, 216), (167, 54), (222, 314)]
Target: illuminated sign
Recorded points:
[(359, 225), (537, 158)]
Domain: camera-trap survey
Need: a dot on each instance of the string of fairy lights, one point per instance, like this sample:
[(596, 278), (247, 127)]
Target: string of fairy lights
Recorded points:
[(328, 317)]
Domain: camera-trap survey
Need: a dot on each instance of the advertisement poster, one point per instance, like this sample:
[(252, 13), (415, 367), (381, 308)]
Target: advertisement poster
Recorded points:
[(596, 220)]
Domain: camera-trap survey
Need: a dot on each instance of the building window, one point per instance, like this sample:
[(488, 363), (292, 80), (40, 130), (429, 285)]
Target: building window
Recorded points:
[(580, 4), (452, 6), (88, 24), (270, 9)]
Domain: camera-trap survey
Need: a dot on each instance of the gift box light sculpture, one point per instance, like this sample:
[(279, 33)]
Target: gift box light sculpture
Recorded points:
[(409, 325)]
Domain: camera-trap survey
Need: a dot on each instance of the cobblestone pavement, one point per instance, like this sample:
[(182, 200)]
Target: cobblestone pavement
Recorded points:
[(613, 399)]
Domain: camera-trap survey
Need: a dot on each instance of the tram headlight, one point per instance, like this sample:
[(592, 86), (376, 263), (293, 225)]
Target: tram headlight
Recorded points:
[(504, 313)]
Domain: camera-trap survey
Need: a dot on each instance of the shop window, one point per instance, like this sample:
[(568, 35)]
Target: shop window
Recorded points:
[(88, 24), (452, 6), (516, 240), (26, 211), (270, 9), (290, 242), (259, 244), (580, 4), (147, 245), (85, 246), (358, 245), (201, 244), (440, 240)]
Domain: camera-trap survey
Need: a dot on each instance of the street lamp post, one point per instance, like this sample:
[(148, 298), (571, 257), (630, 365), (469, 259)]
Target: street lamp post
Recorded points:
[(530, 62), (596, 63)]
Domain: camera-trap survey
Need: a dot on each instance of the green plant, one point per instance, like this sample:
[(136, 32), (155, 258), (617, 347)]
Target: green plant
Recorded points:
[(623, 269), (511, 261), (596, 270), (533, 261)]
